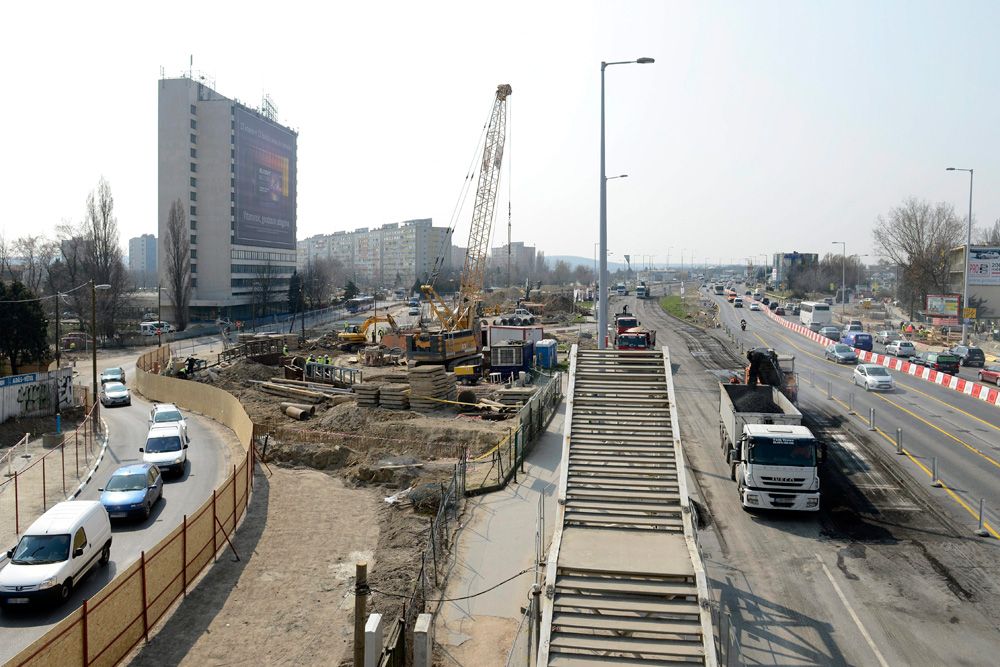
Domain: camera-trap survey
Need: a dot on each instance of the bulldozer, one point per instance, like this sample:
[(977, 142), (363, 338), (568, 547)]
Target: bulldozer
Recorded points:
[(356, 336)]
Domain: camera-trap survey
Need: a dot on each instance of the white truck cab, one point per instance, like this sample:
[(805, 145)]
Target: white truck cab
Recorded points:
[(55, 553), (777, 467)]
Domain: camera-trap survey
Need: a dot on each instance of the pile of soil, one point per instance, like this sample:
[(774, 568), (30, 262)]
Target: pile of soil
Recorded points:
[(558, 303)]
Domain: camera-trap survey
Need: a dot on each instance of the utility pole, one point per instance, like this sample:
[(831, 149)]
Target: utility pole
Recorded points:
[(159, 316), (93, 348)]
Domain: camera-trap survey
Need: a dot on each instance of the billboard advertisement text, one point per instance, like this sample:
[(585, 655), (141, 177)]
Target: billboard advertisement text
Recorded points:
[(265, 182), (984, 266), (943, 304)]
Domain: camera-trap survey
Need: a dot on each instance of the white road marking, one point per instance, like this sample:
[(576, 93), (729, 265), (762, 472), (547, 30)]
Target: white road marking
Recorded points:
[(854, 616)]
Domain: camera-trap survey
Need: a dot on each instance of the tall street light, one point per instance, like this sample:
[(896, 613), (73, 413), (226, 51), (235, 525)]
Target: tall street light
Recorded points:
[(968, 245), (602, 319), (93, 344), (843, 279)]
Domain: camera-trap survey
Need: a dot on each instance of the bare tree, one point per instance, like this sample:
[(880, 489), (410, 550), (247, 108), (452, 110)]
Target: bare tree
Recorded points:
[(177, 256), (36, 253), (917, 236), (263, 289), (989, 236), (4, 257)]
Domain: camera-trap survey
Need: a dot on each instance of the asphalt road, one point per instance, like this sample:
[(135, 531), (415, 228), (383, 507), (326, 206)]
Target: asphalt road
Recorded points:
[(961, 432), (880, 576), (209, 459)]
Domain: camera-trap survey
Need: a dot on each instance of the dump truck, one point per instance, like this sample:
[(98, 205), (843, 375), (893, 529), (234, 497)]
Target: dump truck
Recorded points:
[(770, 368), (773, 459)]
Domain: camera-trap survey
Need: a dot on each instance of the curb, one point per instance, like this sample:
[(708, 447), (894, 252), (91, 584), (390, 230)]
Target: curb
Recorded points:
[(97, 464), (953, 382)]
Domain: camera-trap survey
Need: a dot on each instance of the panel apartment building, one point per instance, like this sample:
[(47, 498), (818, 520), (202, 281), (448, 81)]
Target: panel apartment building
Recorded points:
[(234, 170), (142, 259), (393, 255)]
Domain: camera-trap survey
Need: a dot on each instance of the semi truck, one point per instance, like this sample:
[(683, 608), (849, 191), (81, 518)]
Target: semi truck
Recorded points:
[(773, 459)]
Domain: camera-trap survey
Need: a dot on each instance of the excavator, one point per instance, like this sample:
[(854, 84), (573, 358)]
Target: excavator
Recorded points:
[(770, 368), (457, 342), (356, 336)]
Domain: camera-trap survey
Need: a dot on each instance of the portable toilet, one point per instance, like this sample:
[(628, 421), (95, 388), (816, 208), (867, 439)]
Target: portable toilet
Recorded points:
[(546, 353)]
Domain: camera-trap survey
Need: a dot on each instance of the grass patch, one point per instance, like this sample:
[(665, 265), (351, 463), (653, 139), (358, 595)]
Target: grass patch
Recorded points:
[(674, 305)]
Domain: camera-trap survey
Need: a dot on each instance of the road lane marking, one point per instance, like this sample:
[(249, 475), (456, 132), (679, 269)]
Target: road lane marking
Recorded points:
[(854, 616), (949, 405), (941, 430)]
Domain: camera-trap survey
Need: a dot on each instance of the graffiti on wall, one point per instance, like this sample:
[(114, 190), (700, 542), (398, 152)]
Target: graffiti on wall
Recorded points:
[(41, 394), (33, 397)]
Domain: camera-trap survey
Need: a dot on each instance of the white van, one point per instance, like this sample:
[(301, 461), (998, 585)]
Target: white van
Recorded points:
[(166, 447), (55, 553), (150, 328)]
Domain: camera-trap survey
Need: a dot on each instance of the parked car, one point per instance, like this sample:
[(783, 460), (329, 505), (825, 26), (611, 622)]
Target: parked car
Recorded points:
[(779, 311), (115, 393), (969, 356), (166, 447), (167, 413), (842, 354), (990, 373), (901, 348), (873, 377), (943, 362), (833, 333), (113, 375), (754, 305), (886, 336), (132, 491), (55, 553)]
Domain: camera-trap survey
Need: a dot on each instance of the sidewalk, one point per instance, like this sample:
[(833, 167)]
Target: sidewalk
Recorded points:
[(64, 469), (496, 542)]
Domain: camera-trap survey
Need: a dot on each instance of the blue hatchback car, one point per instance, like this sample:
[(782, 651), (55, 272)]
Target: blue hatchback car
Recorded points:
[(132, 491), (858, 339)]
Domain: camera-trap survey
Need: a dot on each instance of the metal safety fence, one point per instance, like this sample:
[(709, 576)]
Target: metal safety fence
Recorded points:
[(494, 469)]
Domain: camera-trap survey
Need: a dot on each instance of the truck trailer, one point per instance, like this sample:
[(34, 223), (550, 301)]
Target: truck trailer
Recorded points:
[(773, 459)]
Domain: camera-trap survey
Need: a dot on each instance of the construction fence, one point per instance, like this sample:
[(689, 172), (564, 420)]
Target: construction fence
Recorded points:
[(494, 469), (113, 622)]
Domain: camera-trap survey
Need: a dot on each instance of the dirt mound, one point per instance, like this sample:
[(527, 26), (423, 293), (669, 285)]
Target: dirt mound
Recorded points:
[(558, 303)]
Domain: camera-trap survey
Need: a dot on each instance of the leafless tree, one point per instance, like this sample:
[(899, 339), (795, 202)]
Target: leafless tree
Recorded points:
[(177, 256), (36, 253), (104, 261), (263, 289), (4, 257), (917, 236), (319, 279), (991, 235)]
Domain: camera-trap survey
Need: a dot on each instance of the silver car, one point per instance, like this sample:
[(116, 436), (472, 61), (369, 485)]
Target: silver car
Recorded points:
[(842, 354), (901, 348), (115, 393), (873, 377), (886, 337)]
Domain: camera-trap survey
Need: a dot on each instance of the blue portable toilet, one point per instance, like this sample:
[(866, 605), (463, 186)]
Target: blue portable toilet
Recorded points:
[(546, 353)]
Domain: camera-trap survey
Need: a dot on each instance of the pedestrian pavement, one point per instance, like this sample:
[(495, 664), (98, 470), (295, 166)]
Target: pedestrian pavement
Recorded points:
[(497, 541)]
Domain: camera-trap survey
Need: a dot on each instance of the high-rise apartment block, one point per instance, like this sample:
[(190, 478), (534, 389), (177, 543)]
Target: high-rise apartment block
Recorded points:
[(142, 259), (233, 168), (393, 255)]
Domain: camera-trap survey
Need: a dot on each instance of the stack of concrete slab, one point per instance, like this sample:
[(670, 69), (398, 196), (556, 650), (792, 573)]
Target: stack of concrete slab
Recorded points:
[(394, 396), (428, 383), (367, 394), (515, 396)]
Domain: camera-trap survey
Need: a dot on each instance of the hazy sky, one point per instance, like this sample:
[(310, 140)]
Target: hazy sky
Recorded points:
[(762, 126)]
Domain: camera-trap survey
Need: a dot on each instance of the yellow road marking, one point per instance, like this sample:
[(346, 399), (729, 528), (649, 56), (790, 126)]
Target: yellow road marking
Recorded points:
[(949, 405)]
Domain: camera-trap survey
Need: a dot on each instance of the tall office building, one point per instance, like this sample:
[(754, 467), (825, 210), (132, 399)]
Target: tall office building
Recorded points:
[(234, 170), (142, 259)]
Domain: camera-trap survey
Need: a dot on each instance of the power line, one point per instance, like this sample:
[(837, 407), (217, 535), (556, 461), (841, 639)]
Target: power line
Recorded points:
[(465, 597)]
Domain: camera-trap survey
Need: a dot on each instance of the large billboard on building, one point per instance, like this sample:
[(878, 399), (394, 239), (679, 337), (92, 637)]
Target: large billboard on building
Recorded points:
[(944, 305), (984, 266), (265, 182)]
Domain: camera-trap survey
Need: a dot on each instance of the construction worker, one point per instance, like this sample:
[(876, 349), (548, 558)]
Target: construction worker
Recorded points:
[(326, 359), (284, 349), (311, 359)]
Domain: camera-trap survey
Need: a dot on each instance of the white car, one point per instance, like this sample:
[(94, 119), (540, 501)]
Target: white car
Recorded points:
[(167, 413), (873, 377), (901, 348), (166, 448), (754, 305)]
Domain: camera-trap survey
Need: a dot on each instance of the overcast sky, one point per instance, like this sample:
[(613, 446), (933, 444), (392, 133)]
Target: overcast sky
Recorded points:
[(762, 126)]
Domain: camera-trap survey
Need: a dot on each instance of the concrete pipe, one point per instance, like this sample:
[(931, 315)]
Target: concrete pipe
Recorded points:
[(297, 413), (311, 409)]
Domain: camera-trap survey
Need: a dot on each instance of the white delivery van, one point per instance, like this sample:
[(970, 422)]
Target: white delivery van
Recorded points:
[(166, 447), (55, 553), (150, 328)]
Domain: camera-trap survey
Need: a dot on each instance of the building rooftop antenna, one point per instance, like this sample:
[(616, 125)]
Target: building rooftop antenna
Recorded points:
[(268, 109)]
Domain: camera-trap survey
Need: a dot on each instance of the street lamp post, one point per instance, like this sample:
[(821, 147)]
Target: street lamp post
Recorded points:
[(843, 278), (968, 247), (93, 345), (602, 319)]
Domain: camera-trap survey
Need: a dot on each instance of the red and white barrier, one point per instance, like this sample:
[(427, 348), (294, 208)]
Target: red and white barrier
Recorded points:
[(953, 382)]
